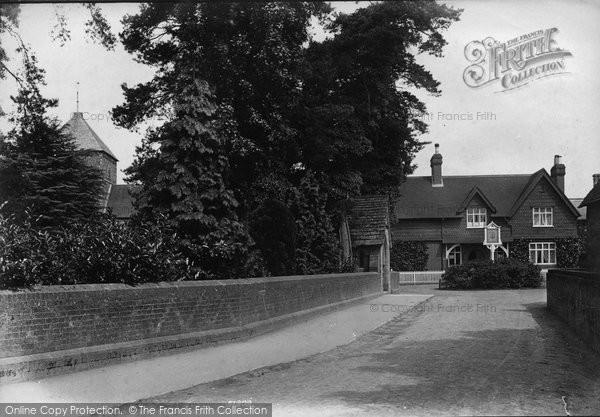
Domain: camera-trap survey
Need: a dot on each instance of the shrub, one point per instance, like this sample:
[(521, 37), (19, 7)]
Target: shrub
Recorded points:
[(408, 256), (569, 252), (100, 250), (506, 273), (348, 266)]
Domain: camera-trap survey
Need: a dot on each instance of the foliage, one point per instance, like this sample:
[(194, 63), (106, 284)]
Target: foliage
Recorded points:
[(519, 249), (40, 167), (359, 80), (408, 256), (348, 266), (303, 122), (316, 242), (569, 252), (185, 181), (99, 250), (506, 273), (273, 229)]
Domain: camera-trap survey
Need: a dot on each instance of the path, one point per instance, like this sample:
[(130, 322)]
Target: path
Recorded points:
[(131, 381), (461, 353)]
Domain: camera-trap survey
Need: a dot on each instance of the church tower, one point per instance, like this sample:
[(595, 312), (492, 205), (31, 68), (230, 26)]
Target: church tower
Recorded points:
[(97, 154)]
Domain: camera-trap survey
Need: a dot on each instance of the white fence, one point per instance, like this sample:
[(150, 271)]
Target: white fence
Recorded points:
[(415, 277)]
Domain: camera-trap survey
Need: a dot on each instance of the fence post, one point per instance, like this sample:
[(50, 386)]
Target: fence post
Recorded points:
[(414, 278)]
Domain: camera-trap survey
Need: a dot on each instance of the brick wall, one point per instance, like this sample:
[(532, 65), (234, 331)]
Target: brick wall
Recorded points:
[(575, 297), (67, 317)]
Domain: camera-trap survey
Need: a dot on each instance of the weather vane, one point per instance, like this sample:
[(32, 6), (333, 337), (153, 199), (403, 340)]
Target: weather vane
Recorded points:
[(77, 96)]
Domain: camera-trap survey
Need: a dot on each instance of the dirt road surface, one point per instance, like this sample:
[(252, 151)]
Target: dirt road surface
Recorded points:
[(459, 353)]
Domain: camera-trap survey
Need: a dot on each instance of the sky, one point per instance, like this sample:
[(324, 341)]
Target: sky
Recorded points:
[(517, 132)]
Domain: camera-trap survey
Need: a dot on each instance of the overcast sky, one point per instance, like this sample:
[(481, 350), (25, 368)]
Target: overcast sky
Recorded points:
[(526, 126)]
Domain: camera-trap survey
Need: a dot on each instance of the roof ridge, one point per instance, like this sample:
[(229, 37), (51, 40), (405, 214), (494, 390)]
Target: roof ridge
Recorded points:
[(472, 176)]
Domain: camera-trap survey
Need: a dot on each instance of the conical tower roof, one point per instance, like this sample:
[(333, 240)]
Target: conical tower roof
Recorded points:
[(85, 137)]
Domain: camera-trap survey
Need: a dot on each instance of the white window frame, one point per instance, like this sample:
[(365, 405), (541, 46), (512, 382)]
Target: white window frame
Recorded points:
[(543, 215), (473, 214), (457, 250), (542, 253)]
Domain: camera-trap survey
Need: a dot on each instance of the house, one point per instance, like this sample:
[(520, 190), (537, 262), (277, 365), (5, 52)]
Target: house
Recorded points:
[(592, 203), (449, 214), (115, 197)]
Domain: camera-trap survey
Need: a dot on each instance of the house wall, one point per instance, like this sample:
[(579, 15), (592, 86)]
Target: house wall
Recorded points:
[(543, 195), (593, 236), (437, 254), (102, 322)]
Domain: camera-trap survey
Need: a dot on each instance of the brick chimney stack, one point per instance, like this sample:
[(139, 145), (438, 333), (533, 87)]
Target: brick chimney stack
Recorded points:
[(558, 172), (596, 179), (436, 168)]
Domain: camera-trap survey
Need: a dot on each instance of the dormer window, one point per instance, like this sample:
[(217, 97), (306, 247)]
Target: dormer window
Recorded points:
[(543, 217), (476, 218)]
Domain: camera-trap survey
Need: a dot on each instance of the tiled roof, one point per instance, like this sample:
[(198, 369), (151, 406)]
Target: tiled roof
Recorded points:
[(120, 201), (418, 199), (85, 137), (592, 197), (368, 219), (582, 210), (505, 193)]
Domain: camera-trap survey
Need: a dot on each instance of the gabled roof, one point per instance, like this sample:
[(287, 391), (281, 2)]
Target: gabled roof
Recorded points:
[(418, 199), (120, 201), (368, 218), (476, 192), (534, 180), (85, 138), (592, 197), (582, 210), (504, 193)]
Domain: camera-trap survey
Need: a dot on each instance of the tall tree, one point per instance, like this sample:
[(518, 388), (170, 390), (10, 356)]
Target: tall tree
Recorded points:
[(323, 121), (181, 169), (250, 53), (41, 170), (357, 91)]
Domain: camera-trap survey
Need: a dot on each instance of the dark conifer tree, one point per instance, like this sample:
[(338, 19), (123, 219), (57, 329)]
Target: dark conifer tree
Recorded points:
[(41, 170)]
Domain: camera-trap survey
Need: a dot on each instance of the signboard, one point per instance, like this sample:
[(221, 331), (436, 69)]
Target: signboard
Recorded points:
[(493, 235)]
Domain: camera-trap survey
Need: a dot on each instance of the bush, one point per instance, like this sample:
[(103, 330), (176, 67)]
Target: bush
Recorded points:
[(506, 273), (408, 256), (349, 265), (569, 252), (100, 250)]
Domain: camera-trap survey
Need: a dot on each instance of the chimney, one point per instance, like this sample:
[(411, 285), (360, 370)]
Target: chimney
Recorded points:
[(558, 172), (436, 168), (596, 179)]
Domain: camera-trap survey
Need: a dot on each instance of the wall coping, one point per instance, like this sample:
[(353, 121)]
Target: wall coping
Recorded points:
[(575, 273), (176, 284)]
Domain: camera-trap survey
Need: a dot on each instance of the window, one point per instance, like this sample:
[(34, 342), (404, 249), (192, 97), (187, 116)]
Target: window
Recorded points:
[(542, 253), (476, 217), (455, 256), (543, 217)]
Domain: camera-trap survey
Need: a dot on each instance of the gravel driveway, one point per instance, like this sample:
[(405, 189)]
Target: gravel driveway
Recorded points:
[(459, 353)]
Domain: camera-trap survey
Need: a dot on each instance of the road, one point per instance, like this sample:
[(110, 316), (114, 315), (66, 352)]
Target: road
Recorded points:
[(460, 353)]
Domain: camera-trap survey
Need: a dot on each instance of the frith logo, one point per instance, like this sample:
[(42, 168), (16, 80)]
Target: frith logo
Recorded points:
[(516, 62)]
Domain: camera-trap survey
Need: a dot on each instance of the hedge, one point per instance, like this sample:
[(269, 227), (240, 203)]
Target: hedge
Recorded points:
[(408, 256), (506, 273)]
